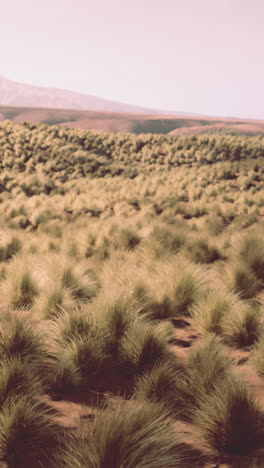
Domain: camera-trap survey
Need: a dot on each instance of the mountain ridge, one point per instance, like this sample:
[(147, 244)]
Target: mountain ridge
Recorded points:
[(15, 94)]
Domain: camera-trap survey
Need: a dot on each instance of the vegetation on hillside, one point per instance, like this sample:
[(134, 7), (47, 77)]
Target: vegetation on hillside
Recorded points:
[(131, 282)]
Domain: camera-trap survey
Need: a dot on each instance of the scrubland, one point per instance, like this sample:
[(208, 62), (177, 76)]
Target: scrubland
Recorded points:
[(132, 299)]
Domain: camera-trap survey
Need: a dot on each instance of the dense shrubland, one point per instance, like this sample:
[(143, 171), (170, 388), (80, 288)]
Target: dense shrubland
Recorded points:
[(110, 246)]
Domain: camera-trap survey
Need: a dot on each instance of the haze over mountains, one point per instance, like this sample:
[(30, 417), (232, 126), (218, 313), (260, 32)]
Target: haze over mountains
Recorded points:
[(20, 94), (22, 102)]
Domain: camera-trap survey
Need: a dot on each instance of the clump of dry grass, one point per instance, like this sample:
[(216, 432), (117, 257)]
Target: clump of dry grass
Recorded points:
[(177, 287), (18, 339), (250, 249), (203, 250), (26, 432), (143, 347), (244, 327), (18, 378), (207, 365), (211, 312), (19, 289), (165, 240), (164, 384), (52, 300), (134, 435), (11, 248), (230, 421), (257, 356), (241, 279)]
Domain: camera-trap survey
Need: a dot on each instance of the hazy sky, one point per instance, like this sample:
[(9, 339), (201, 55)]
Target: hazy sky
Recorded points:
[(204, 56)]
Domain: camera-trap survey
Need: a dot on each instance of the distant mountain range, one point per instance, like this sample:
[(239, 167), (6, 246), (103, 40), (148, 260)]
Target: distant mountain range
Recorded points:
[(25, 95), (22, 102)]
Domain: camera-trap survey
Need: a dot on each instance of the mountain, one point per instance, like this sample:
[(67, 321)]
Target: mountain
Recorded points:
[(23, 102), (19, 94)]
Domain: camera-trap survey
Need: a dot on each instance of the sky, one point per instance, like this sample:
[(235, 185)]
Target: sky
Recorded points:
[(198, 56)]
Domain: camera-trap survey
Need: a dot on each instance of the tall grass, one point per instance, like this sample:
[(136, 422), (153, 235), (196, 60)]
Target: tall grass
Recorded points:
[(134, 435), (230, 421), (18, 339), (26, 433), (244, 327), (212, 311)]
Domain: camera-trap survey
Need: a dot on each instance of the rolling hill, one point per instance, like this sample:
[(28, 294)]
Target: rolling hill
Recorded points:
[(22, 102), (129, 122)]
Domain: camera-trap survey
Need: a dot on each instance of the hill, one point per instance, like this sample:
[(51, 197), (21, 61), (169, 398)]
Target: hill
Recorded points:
[(129, 122)]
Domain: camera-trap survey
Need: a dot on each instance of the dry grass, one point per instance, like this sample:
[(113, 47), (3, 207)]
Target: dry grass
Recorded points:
[(130, 266)]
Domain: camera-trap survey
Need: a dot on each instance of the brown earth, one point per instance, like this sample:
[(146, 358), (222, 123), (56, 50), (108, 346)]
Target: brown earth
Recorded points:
[(128, 122)]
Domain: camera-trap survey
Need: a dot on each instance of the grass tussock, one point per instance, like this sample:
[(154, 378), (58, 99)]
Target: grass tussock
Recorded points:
[(11, 248), (177, 288), (230, 421), (244, 327), (20, 288), (18, 378), (207, 365), (212, 311), (51, 303), (250, 249), (134, 435), (18, 339), (257, 357), (26, 432), (242, 279), (144, 346), (164, 385), (203, 250)]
